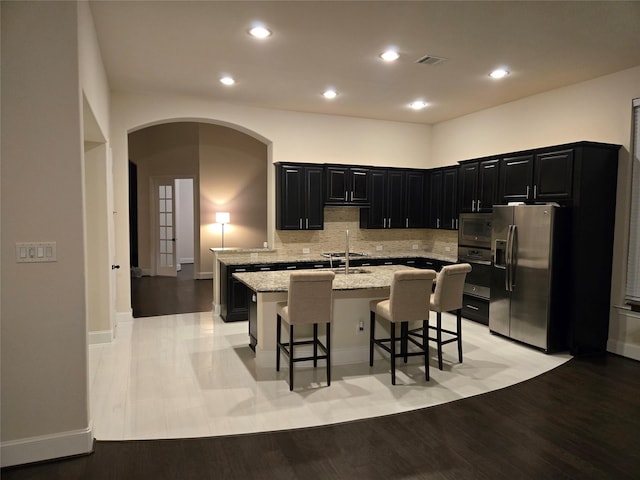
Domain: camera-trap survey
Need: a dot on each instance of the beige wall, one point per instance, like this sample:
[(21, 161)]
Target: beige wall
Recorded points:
[(45, 408), (233, 178), (598, 110), (167, 150)]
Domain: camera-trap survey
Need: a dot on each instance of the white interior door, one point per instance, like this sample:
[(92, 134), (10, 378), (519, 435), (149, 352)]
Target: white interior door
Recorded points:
[(165, 232)]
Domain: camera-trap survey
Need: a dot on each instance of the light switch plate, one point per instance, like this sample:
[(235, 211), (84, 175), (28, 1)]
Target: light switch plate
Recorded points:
[(36, 252)]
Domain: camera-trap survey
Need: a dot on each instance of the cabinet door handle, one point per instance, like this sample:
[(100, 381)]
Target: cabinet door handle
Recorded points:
[(307, 224), (384, 223), (472, 307), (351, 196), (389, 223), (473, 205), (300, 223), (346, 196), (452, 224), (456, 224), (478, 207), (407, 223), (527, 192), (438, 223), (535, 192)]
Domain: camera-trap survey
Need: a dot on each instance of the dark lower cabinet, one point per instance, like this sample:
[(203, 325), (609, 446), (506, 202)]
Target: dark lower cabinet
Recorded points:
[(233, 294), (475, 308)]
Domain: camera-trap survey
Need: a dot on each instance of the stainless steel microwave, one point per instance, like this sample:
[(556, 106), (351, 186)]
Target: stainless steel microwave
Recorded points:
[(475, 230)]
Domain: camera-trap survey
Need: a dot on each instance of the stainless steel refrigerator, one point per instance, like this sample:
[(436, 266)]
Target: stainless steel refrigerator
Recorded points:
[(529, 287)]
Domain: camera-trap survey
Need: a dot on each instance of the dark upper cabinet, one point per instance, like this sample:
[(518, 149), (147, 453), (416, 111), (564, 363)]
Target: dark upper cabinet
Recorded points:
[(450, 210), (346, 185), (299, 197), (553, 174), (478, 185), (516, 177), (537, 177), (396, 199), (443, 198), (416, 194), (434, 203)]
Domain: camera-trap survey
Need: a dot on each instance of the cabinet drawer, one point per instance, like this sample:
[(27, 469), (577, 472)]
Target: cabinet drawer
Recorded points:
[(475, 308)]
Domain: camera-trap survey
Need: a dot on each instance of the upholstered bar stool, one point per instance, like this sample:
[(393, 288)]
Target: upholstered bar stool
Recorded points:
[(408, 301), (309, 302), (447, 297)]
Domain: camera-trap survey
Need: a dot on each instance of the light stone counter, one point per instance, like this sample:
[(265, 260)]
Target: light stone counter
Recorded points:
[(278, 281), (350, 327)]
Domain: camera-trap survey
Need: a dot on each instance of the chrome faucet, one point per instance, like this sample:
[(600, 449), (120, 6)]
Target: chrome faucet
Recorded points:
[(346, 255)]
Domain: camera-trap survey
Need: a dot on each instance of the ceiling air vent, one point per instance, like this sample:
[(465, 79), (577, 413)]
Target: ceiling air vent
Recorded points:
[(431, 60)]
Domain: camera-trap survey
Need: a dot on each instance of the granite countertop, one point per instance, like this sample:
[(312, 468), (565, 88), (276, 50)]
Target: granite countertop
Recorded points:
[(278, 281), (248, 257)]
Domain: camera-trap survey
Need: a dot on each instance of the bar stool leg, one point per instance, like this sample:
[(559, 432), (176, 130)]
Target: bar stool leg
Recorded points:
[(425, 347), (393, 353), (290, 357), (279, 331), (372, 329), (315, 345), (439, 337), (328, 354), (459, 332)]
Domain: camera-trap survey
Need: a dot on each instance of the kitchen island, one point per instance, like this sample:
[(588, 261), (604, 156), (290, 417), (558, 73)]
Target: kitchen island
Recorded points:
[(229, 294), (350, 327)]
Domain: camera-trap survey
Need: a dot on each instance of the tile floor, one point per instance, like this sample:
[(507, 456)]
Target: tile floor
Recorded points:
[(192, 375)]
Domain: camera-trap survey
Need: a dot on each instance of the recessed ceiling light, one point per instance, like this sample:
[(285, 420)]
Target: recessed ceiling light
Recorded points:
[(330, 94), (389, 55), (499, 73), (418, 104), (260, 32), (227, 80)]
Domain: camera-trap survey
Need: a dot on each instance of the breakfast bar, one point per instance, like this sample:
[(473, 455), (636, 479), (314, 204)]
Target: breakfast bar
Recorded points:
[(350, 328)]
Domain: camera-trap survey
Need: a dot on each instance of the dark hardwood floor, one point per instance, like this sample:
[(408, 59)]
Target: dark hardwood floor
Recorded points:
[(578, 421), (154, 296)]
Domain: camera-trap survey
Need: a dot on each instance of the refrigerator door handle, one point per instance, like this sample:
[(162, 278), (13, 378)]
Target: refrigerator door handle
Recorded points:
[(514, 255), (512, 260), (507, 263)]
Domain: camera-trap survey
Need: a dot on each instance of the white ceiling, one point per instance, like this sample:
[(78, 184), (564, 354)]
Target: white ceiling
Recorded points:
[(183, 47)]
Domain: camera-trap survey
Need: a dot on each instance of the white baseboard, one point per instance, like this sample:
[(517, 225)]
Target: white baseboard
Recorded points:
[(186, 260), (204, 276), (624, 349), (46, 447), (624, 325), (124, 316), (101, 336)]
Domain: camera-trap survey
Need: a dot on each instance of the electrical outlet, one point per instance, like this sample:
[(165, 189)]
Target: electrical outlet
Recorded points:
[(378, 247), (360, 326), (414, 246), (447, 249), (305, 250)]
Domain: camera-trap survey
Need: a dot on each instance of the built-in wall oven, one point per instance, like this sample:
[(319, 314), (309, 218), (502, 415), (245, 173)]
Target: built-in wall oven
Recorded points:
[(474, 247)]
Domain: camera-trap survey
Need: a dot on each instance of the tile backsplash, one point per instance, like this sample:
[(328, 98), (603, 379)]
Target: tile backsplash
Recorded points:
[(339, 219)]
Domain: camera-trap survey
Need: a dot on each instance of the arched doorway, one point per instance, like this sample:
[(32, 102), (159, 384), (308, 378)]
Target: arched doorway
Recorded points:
[(229, 172)]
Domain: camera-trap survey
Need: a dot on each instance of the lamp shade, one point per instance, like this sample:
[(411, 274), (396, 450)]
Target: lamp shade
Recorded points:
[(222, 217)]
